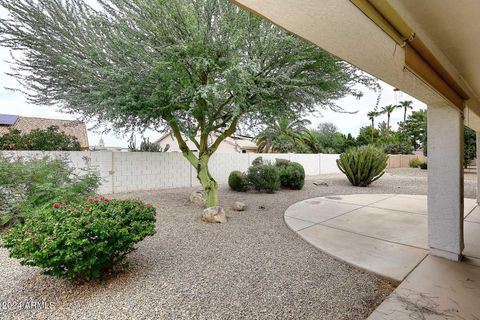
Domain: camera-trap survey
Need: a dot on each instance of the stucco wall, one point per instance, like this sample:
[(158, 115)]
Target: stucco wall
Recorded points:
[(134, 171)]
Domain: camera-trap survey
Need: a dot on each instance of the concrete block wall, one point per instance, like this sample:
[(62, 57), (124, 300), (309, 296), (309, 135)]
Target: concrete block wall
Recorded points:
[(328, 163), (149, 171), (135, 171)]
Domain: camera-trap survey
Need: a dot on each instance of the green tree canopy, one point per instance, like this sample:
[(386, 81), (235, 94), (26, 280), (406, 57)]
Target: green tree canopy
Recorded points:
[(415, 127), (189, 66), (282, 135), (332, 140), (50, 139)]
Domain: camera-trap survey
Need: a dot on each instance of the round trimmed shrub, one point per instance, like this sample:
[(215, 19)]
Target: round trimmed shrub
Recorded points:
[(264, 177), (238, 181), (292, 176), (81, 241), (423, 166), (282, 163)]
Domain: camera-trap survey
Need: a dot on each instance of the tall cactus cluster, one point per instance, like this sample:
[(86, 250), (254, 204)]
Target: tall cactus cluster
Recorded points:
[(363, 165)]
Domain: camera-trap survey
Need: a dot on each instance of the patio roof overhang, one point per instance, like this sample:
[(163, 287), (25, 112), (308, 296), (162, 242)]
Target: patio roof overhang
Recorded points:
[(428, 49)]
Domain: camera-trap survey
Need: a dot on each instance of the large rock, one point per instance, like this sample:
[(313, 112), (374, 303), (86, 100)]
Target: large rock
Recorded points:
[(239, 206), (198, 198), (214, 215)]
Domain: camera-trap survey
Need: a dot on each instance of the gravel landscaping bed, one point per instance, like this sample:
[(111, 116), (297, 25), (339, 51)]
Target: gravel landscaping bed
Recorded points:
[(252, 267)]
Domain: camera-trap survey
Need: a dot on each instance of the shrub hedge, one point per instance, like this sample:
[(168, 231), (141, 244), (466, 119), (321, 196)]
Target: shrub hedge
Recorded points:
[(81, 241), (265, 177), (26, 185)]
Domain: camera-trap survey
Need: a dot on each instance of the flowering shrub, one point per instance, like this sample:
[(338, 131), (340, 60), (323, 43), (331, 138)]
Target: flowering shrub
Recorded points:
[(81, 241)]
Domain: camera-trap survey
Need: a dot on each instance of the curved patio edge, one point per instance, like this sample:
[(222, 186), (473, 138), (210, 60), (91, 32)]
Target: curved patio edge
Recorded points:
[(381, 233)]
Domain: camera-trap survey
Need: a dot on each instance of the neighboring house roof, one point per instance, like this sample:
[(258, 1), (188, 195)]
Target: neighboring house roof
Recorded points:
[(243, 142), (239, 141), (74, 128)]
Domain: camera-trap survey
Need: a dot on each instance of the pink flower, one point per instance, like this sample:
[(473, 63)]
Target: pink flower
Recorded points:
[(106, 200), (96, 200), (56, 205), (89, 199), (88, 208), (149, 205)]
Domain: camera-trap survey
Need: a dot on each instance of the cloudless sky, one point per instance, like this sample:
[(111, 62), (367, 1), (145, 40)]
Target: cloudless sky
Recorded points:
[(14, 102)]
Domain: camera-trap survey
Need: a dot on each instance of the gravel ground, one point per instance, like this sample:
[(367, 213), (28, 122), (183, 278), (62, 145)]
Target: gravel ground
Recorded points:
[(252, 267)]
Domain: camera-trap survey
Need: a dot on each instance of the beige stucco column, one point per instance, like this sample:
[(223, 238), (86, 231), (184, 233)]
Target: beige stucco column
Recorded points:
[(478, 167), (445, 181)]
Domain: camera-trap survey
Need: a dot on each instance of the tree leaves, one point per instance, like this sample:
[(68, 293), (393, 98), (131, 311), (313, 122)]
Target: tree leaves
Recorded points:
[(133, 63)]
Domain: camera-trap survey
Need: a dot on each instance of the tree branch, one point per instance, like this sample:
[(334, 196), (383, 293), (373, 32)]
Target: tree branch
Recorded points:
[(181, 142), (231, 130)]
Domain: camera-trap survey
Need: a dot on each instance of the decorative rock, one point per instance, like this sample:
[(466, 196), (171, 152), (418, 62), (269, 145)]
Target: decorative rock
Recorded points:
[(214, 215), (239, 206), (198, 198)]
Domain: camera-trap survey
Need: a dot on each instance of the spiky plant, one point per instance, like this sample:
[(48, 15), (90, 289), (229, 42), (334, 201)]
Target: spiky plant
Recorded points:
[(363, 165)]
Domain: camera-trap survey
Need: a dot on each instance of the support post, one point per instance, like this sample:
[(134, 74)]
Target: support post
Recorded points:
[(477, 163), (445, 182)]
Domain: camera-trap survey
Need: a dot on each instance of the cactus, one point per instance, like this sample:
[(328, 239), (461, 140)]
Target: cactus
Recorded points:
[(363, 165)]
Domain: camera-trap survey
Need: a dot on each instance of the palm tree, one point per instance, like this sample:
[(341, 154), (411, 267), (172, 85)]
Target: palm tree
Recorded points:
[(405, 105), (388, 111), (310, 139), (372, 115), (283, 135)]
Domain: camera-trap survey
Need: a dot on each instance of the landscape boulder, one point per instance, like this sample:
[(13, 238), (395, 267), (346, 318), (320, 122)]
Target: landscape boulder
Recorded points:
[(214, 215), (198, 198), (239, 206)]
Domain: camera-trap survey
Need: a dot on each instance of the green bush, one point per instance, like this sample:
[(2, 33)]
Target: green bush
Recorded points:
[(399, 147), (146, 146), (47, 140), (424, 166), (238, 181), (264, 177), (257, 161), (281, 163), (414, 163), (292, 175), (26, 185), (363, 165), (81, 241)]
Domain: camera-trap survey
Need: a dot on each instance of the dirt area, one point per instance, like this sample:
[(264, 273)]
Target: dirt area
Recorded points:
[(252, 267)]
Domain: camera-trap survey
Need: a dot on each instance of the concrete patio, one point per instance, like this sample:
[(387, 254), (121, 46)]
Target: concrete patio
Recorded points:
[(387, 234)]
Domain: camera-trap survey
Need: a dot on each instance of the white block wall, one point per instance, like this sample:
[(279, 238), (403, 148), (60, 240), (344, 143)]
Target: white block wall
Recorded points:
[(135, 171), (328, 163)]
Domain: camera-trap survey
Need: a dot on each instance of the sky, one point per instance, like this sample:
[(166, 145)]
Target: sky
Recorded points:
[(14, 102)]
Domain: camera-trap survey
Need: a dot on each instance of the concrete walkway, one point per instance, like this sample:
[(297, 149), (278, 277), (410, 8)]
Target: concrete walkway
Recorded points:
[(387, 234)]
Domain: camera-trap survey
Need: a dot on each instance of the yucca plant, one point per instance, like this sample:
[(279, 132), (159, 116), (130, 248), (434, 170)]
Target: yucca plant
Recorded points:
[(363, 165)]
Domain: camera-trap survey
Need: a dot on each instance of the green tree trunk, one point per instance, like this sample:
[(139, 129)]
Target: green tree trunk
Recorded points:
[(209, 184)]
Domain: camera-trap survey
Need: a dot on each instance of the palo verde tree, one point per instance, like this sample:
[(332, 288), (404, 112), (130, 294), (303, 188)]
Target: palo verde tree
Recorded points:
[(192, 67)]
